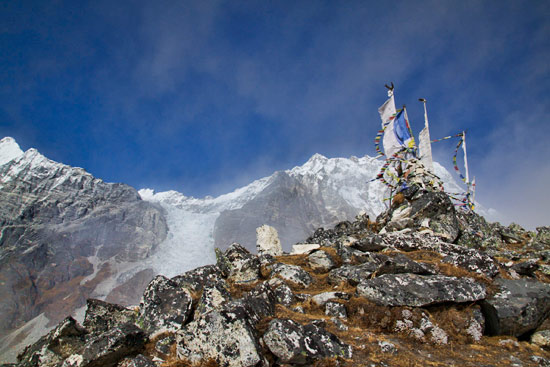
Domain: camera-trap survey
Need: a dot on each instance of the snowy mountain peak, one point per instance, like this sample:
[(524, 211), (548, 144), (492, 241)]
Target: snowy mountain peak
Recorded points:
[(9, 150)]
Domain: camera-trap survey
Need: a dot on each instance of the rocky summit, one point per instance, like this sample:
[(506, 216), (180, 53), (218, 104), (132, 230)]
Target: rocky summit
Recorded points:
[(422, 285)]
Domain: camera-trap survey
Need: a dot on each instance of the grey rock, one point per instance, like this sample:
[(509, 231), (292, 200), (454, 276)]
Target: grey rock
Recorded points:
[(352, 274), (336, 309), (322, 298), (370, 243), (519, 307), (50, 350), (164, 344), (402, 264), (239, 265), (285, 339), (102, 316), (541, 338), (293, 343), (164, 306), (292, 273), (228, 334), (420, 290), (528, 267), (267, 241), (195, 279), (215, 294), (321, 261), (138, 361), (283, 293), (108, 348)]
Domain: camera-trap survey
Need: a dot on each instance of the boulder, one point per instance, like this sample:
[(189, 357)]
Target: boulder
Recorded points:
[(402, 264), (322, 298), (164, 306), (228, 334), (293, 343), (370, 243), (108, 348), (214, 295), (50, 350), (321, 261), (541, 338), (527, 267), (238, 264), (518, 308), (102, 316), (304, 248), (138, 361), (352, 274), (420, 290), (195, 279), (291, 273), (267, 241), (336, 309)]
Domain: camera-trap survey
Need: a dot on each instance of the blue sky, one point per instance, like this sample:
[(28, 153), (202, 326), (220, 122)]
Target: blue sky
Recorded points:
[(204, 96)]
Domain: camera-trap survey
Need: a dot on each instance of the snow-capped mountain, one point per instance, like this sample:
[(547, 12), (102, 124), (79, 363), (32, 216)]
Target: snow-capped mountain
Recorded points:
[(70, 236)]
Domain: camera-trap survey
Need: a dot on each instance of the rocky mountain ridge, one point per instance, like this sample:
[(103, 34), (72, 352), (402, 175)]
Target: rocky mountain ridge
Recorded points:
[(67, 236), (424, 284)]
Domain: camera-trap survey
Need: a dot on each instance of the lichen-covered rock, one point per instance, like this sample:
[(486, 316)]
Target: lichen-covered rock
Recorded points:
[(283, 293), (214, 295), (228, 334), (402, 264), (541, 338), (164, 306), (293, 343), (321, 261), (138, 361), (322, 298), (370, 243), (352, 274), (64, 340), (285, 339), (108, 348), (238, 264), (102, 316), (527, 267), (420, 290), (291, 273), (336, 309), (195, 279), (519, 307), (267, 241)]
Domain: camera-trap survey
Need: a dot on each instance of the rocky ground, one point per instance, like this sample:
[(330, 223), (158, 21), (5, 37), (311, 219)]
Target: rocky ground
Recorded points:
[(423, 285)]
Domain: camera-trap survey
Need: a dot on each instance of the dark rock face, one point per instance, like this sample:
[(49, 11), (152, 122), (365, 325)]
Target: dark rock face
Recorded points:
[(420, 290), (102, 316), (286, 204), (293, 343), (55, 346), (164, 305), (424, 209), (518, 308), (52, 219), (228, 334)]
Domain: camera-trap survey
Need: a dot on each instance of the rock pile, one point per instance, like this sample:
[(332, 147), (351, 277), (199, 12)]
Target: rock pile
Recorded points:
[(423, 285)]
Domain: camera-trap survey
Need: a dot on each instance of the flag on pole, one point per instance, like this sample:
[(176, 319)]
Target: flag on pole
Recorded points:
[(424, 143), (387, 113), (402, 130), (465, 158)]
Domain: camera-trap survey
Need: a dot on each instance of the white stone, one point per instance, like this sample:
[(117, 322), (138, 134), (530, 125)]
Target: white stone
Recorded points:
[(304, 248), (267, 241)]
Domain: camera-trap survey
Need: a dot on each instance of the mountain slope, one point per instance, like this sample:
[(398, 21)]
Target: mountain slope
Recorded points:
[(62, 233), (67, 236)]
